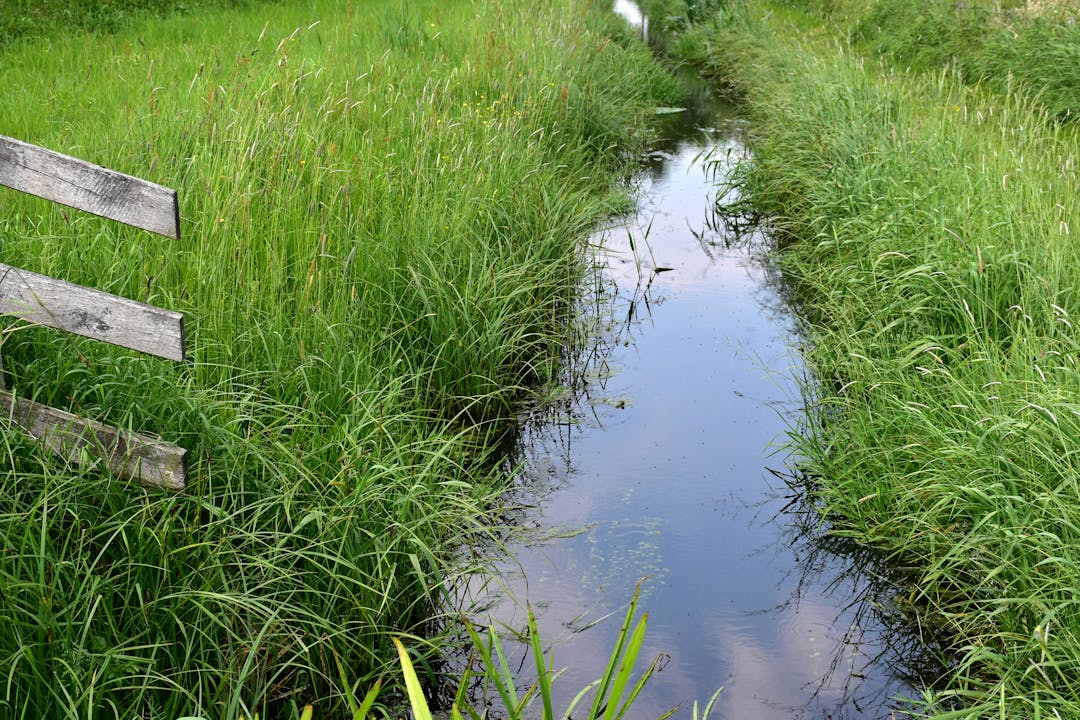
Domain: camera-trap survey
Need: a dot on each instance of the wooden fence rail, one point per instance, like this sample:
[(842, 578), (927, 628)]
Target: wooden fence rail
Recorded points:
[(91, 313), (85, 186)]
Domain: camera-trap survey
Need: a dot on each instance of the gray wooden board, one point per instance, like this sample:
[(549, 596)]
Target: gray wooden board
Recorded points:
[(86, 186), (91, 313), (131, 455)]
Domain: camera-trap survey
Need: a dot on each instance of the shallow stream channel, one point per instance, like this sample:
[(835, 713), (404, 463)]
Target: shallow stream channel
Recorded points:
[(665, 462)]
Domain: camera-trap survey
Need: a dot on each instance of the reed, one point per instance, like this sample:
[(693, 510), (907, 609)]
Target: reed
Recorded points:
[(608, 698)]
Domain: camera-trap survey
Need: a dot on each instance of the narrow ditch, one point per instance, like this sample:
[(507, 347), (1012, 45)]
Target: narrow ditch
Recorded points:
[(664, 460)]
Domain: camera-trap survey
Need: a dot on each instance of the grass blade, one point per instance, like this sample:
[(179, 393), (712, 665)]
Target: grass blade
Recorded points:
[(484, 649), (369, 700), (543, 669), (626, 668), (613, 662), (412, 684)]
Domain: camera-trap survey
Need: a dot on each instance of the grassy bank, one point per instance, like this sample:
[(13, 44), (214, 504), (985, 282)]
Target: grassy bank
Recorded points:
[(27, 20), (1026, 47), (928, 221), (382, 209)]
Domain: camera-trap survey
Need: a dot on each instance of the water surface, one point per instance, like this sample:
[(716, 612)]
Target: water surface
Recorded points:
[(665, 463)]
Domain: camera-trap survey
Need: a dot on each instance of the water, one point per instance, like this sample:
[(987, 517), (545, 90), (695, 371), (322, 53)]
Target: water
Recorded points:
[(665, 463), (633, 15)]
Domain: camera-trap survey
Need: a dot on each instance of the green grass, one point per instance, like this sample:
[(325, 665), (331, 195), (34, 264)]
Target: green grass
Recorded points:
[(383, 207), (28, 20), (1030, 48), (929, 225)]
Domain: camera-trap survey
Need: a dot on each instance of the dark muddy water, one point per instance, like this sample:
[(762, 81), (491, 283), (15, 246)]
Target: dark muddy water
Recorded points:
[(664, 462)]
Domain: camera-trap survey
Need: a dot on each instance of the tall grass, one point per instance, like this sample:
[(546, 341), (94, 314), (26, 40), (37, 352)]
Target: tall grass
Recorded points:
[(1028, 48), (674, 15), (382, 210), (929, 226), (23, 20)]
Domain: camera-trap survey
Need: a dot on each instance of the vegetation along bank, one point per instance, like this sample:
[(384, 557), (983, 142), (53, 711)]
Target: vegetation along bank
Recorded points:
[(917, 163), (383, 210)]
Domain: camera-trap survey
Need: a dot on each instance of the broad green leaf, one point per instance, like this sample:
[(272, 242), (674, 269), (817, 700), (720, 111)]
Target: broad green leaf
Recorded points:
[(412, 685)]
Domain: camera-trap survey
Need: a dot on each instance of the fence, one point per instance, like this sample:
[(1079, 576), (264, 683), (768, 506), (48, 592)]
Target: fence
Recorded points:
[(91, 313)]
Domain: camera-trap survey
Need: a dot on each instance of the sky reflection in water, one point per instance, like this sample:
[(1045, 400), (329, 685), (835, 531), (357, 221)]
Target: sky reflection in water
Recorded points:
[(665, 473)]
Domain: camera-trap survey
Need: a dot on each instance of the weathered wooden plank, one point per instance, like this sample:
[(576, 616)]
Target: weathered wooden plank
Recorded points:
[(91, 313), (86, 186), (130, 455)]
